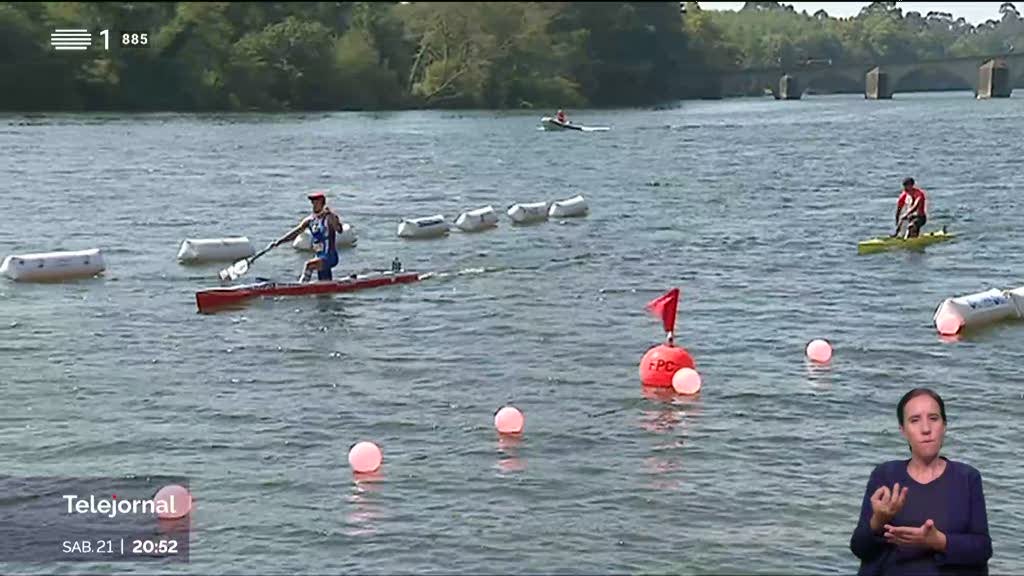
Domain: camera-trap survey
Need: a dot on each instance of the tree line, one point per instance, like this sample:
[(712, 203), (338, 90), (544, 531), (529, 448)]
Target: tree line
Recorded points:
[(772, 34), (273, 56), (348, 55)]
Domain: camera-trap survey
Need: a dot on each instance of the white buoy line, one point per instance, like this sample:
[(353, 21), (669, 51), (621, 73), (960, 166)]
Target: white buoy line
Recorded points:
[(65, 265)]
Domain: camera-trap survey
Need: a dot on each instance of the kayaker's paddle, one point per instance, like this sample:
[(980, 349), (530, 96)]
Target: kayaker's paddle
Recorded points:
[(898, 226), (238, 269)]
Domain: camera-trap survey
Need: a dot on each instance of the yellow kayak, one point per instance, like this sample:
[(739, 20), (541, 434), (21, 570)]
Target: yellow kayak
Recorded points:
[(890, 243)]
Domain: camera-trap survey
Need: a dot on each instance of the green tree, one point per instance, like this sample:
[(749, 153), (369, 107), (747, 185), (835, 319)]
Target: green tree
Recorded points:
[(360, 81), (193, 51), (451, 58), (284, 66), (635, 52), (31, 77), (707, 40)]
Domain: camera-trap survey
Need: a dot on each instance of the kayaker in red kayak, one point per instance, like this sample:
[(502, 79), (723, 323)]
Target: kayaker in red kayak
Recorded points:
[(915, 216), (324, 226)]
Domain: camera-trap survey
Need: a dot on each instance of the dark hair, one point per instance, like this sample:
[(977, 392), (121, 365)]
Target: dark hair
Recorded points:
[(907, 181), (914, 394)]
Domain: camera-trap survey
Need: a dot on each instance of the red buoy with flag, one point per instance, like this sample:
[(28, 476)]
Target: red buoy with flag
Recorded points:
[(661, 362)]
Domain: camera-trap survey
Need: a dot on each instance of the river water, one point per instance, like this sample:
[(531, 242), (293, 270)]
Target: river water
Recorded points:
[(752, 207)]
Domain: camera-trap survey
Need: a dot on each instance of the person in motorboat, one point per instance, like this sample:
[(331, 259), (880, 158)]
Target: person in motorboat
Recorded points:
[(560, 117), (913, 198), (324, 225)]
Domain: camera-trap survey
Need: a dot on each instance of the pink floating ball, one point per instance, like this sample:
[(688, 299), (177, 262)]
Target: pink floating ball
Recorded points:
[(819, 351), (948, 324), (365, 457), (686, 381), (172, 502), (509, 420)]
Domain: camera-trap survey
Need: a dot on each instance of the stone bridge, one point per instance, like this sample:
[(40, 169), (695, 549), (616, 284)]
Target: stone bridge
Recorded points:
[(989, 76)]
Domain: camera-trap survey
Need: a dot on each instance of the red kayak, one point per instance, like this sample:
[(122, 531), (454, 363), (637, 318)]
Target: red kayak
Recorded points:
[(214, 298)]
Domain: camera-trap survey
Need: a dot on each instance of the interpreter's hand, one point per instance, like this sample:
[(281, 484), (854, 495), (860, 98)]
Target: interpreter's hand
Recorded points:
[(885, 504), (925, 536)]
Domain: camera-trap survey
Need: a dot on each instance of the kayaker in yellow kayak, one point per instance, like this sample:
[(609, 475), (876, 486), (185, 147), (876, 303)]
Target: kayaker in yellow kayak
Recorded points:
[(914, 199), (324, 226)]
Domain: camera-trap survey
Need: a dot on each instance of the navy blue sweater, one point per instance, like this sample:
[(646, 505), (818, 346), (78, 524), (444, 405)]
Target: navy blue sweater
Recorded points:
[(954, 501)]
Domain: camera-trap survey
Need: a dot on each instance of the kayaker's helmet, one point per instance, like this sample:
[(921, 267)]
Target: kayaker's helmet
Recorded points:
[(908, 182), (319, 201)]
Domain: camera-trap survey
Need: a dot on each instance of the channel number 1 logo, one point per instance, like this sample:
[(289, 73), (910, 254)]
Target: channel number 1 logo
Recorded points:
[(81, 39)]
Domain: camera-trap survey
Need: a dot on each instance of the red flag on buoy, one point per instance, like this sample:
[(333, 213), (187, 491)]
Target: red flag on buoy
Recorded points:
[(665, 307)]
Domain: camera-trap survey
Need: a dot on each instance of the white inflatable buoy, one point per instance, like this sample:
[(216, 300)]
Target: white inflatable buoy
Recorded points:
[(528, 213), (973, 310), (53, 265), (425, 227), (346, 239), (194, 251), (479, 219), (575, 206)]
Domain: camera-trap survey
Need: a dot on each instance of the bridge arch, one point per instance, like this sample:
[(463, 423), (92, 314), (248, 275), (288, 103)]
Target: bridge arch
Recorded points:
[(749, 84), (926, 77), (840, 81)]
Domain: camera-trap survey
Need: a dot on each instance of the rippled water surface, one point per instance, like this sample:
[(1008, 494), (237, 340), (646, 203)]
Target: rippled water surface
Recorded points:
[(752, 207)]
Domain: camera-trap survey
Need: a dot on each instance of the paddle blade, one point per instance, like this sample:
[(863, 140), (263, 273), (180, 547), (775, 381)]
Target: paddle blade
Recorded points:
[(234, 271)]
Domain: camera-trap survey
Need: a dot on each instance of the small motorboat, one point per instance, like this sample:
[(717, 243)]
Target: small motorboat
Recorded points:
[(550, 123)]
